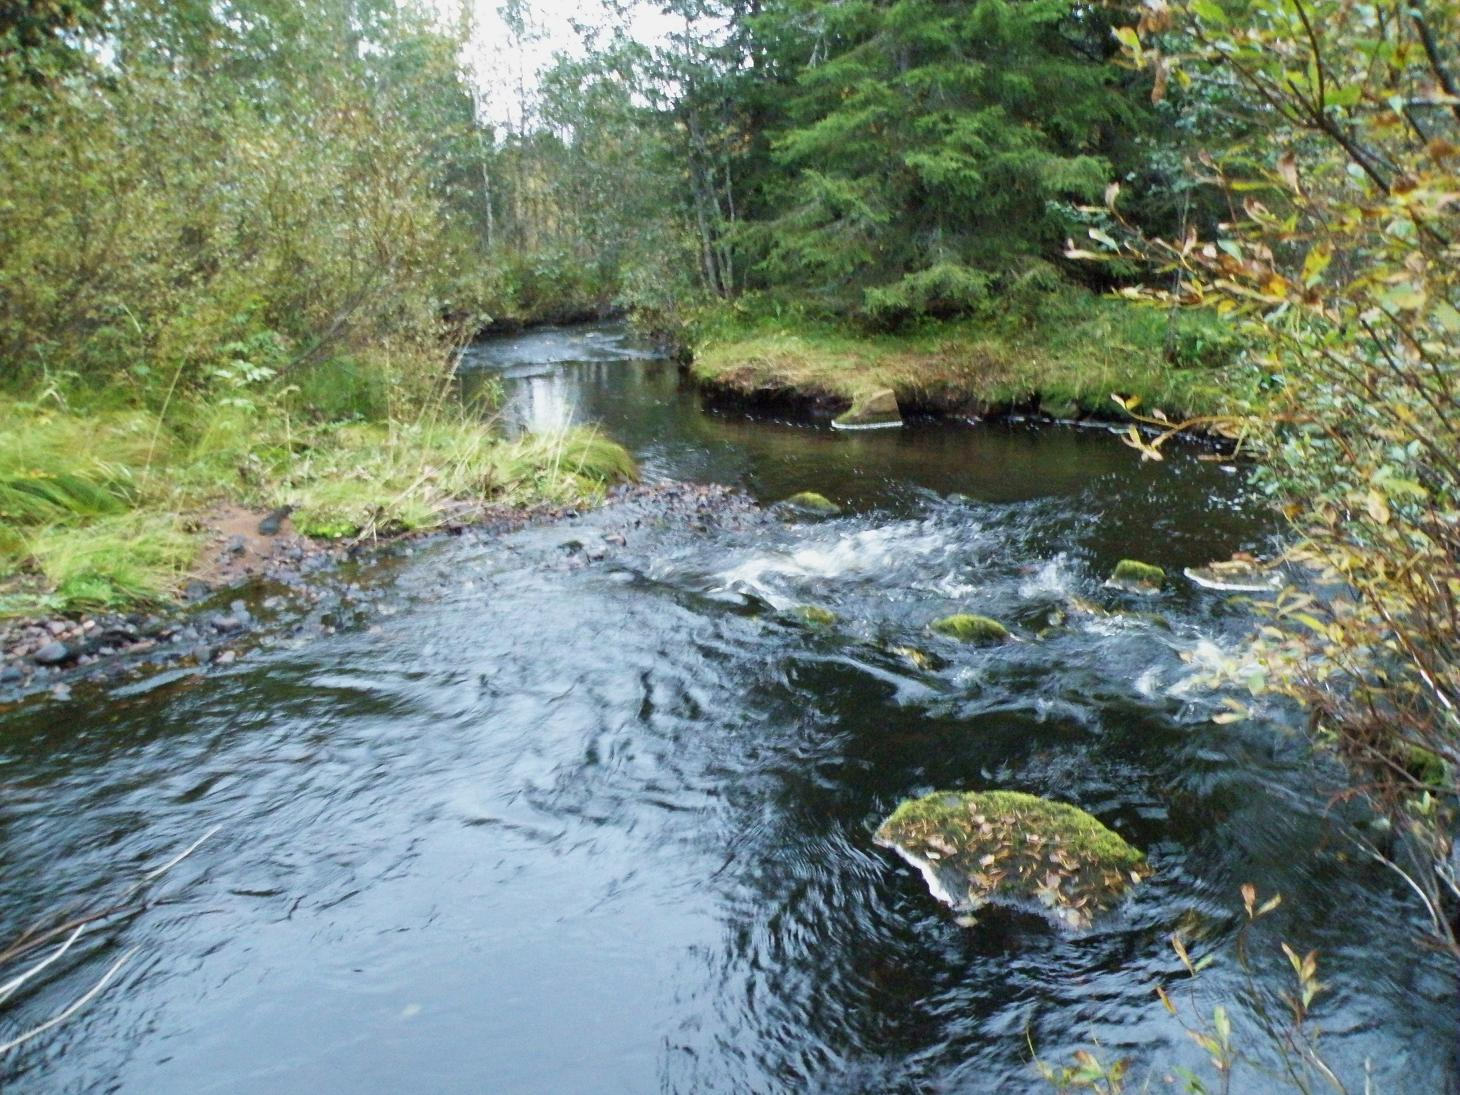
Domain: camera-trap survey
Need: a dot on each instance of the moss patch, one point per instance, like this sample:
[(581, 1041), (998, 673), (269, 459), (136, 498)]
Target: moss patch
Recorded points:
[(815, 615), (977, 847), (967, 628)]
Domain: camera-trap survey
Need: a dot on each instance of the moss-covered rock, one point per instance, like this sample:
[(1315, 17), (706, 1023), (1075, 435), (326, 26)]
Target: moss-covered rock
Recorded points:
[(813, 504), (815, 615), (870, 410), (967, 628), (978, 847), (1137, 577)]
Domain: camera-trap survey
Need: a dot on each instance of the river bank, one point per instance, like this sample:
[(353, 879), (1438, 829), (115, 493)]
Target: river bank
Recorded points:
[(1064, 361), (114, 507), (264, 588)]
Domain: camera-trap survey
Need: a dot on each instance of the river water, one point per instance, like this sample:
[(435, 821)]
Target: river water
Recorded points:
[(525, 826)]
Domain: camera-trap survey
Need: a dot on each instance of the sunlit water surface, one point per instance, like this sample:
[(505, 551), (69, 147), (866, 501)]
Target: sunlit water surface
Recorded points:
[(525, 826)]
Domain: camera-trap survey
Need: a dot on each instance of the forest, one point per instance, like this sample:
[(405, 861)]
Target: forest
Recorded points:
[(245, 244)]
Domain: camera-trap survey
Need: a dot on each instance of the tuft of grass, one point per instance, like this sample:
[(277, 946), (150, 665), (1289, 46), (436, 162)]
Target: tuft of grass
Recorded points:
[(377, 478), (90, 497)]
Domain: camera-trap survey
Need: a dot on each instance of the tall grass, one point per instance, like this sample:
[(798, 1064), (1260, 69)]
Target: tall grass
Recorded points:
[(103, 508)]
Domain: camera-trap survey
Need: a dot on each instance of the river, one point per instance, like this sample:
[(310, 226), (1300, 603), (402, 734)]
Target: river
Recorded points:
[(523, 825)]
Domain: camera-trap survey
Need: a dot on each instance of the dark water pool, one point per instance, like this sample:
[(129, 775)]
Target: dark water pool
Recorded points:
[(525, 827)]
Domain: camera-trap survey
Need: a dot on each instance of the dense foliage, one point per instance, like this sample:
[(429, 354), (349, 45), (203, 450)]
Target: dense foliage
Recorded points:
[(929, 147), (1341, 256), (236, 241)]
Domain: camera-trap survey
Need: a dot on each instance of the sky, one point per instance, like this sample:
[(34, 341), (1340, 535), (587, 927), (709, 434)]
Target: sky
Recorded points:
[(500, 65)]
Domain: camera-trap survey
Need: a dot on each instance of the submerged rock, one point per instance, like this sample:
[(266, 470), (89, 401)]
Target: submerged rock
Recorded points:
[(871, 410), (1137, 577), (813, 504), (967, 628), (920, 659), (815, 614), (981, 847), (1236, 575)]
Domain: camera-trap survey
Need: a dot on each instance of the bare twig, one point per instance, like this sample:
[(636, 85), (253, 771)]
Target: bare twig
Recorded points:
[(75, 1006)]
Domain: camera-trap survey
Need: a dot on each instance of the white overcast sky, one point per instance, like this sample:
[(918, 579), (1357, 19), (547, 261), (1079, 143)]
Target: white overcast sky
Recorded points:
[(499, 64)]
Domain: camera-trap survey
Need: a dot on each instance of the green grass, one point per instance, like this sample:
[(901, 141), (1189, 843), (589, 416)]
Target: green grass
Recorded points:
[(1068, 355), (100, 506)]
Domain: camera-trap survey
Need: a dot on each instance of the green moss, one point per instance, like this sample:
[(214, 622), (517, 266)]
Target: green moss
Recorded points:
[(1426, 766), (971, 629), (975, 847), (808, 501), (1141, 577), (815, 615)]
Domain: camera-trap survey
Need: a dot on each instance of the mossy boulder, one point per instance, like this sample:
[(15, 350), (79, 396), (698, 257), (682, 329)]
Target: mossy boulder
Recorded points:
[(812, 504), (1137, 577), (1005, 847), (815, 615), (870, 410), (967, 628)]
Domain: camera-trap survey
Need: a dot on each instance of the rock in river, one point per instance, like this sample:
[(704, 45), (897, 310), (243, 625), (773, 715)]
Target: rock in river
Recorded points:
[(1137, 577), (981, 847), (870, 411), (812, 504), (1236, 575), (971, 629), (815, 615)]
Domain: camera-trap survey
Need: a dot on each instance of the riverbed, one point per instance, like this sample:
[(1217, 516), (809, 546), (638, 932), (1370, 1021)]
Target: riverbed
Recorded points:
[(588, 807)]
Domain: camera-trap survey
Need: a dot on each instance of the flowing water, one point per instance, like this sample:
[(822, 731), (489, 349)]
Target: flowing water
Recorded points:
[(523, 825)]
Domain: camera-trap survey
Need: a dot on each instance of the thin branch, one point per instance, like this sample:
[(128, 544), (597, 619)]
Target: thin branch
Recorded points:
[(77, 1005)]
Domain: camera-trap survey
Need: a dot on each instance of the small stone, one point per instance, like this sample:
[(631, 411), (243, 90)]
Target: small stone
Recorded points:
[(227, 657), (10, 674), (237, 545), (227, 624), (57, 627), (52, 653), (61, 692)]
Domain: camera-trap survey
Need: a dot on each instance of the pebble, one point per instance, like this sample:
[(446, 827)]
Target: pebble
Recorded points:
[(53, 653)]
